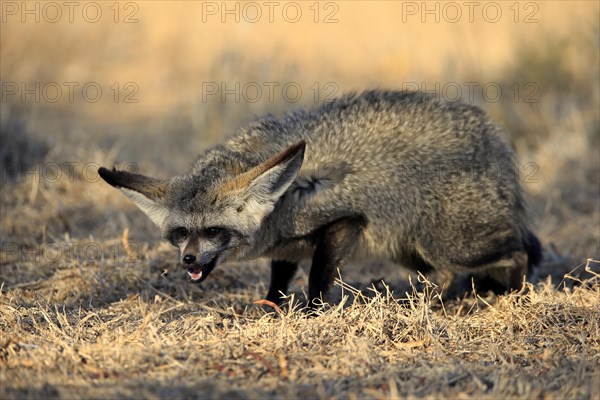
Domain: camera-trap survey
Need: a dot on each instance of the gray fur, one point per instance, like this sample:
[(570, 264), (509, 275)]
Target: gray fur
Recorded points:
[(435, 181)]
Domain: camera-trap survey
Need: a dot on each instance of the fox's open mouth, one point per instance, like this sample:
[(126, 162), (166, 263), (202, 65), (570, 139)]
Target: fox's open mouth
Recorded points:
[(200, 272)]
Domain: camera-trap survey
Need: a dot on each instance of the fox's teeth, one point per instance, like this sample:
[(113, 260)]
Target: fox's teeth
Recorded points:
[(195, 275)]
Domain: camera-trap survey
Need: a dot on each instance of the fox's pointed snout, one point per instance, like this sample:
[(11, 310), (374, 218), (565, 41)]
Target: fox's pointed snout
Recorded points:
[(198, 269), (189, 259)]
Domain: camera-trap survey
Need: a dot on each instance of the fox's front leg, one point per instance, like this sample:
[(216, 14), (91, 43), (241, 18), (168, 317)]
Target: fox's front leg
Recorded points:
[(282, 273), (335, 245)]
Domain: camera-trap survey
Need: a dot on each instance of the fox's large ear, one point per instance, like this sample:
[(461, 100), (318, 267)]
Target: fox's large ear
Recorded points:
[(145, 192), (268, 181)]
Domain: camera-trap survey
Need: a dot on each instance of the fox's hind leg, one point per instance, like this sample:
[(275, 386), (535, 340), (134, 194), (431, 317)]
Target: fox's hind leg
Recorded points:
[(505, 275), (334, 246), (282, 273), (521, 266)]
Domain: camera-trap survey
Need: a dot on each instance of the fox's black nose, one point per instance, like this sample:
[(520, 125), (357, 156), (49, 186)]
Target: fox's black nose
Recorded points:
[(189, 258)]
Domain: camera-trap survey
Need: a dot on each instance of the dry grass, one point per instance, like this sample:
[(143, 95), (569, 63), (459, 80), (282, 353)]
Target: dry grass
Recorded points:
[(544, 343), (92, 304)]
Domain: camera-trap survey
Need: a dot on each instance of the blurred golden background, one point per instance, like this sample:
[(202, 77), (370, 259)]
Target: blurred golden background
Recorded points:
[(163, 54), (153, 83)]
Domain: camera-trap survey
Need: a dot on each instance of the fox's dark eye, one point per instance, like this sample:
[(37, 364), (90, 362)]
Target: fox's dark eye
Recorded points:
[(178, 234), (212, 232)]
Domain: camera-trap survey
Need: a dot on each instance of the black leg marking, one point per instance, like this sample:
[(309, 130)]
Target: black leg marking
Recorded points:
[(533, 247), (282, 273), (335, 244), (520, 272), (506, 279)]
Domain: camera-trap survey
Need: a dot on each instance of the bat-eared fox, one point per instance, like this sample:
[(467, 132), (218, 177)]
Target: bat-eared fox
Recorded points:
[(395, 175)]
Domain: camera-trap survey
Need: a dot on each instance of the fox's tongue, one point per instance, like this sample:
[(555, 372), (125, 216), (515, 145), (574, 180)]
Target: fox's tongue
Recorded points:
[(195, 273)]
